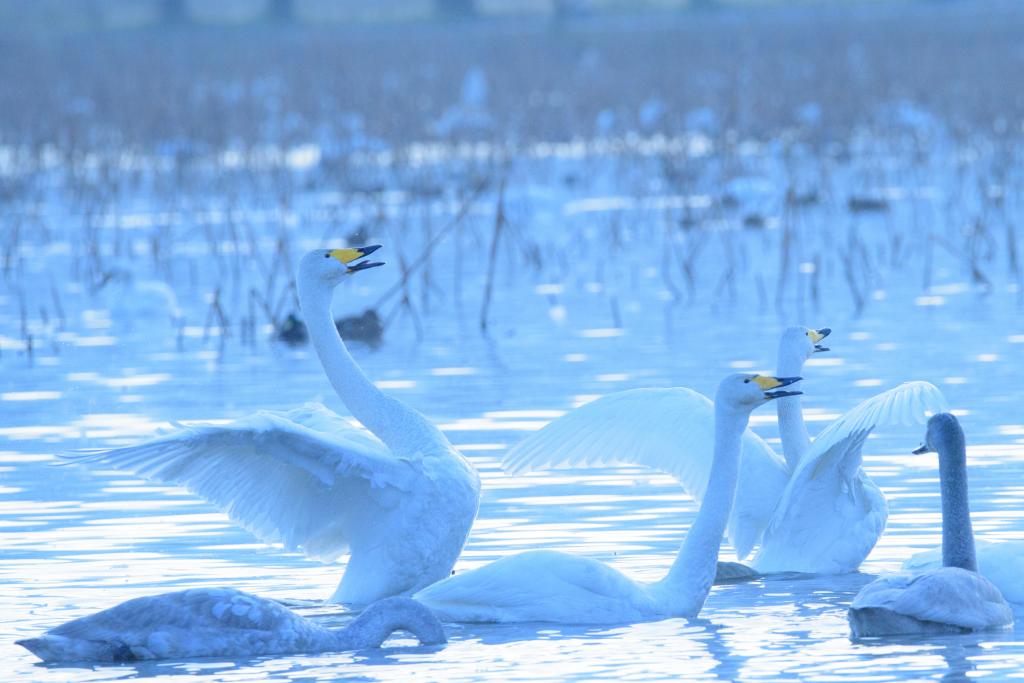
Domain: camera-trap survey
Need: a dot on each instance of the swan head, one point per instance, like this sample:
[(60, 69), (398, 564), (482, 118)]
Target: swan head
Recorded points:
[(800, 343), (745, 392), (329, 266), (943, 433)]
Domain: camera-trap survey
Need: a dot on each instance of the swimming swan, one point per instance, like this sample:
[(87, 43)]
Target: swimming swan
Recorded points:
[(402, 502), (1002, 563), (222, 622), (953, 598), (550, 586), (779, 503)]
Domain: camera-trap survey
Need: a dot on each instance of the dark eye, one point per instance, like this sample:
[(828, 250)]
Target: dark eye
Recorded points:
[(746, 381), (327, 255)]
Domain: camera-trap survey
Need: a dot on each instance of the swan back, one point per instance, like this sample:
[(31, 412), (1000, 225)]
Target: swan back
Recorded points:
[(221, 622), (384, 617), (944, 599), (201, 622)]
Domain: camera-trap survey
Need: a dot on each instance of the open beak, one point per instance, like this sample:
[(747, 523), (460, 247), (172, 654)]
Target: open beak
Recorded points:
[(921, 450), (347, 256), (767, 383), (816, 336)]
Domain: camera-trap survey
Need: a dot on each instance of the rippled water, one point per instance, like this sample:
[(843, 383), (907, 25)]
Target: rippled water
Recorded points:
[(74, 540)]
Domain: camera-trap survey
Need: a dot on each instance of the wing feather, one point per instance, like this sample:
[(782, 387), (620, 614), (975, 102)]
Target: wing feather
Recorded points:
[(670, 430), (301, 478), (909, 403)]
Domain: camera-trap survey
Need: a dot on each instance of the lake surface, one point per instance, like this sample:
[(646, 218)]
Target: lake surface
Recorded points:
[(75, 540)]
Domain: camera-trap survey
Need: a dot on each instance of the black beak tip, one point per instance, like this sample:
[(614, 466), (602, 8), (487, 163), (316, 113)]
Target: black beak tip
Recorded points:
[(825, 331), (370, 249), (364, 265), (921, 450), (818, 348), (781, 394)]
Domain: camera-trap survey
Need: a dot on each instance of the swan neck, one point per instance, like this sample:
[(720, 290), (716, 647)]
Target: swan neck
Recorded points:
[(690, 578), (384, 617), (354, 388), (796, 441), (957, 534)]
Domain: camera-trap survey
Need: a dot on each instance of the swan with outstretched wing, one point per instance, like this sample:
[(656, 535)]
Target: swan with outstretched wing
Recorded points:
[(399, 500), (814, 511)]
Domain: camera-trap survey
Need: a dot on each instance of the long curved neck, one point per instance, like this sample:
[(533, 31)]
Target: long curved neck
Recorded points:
[(395, 424), (690, 578), (384, 617), (957, 534), (792, 429)]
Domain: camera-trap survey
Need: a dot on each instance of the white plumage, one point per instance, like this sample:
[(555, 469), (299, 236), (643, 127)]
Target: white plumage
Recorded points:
[(669, 430), (550, 586), (402, 502), (221, 622), (778, 506)]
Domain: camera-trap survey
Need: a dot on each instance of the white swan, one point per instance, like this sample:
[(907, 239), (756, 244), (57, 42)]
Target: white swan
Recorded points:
[(953, 598), (402, 503), (222, 622), (550, 586), (782, 507)]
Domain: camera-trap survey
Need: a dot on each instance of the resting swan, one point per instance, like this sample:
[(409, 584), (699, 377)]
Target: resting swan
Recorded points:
[(402, 502), (222, 622), (779, 503), (953, 598), (550, 586)]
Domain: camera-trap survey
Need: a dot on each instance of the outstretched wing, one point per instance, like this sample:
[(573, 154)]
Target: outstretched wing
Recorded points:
[(831, 513), (305, 478), (671, 430), (829, 518), (909, 403)]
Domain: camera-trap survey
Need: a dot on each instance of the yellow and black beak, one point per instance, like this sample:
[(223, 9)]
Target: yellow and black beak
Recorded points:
[(767, 383), (816, 336), (347, 256)]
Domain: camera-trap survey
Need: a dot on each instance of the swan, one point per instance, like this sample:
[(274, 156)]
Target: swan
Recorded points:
[(402, 501), (780, 501), (952, 598), (1001, 563), (222, 622), (551, 586)]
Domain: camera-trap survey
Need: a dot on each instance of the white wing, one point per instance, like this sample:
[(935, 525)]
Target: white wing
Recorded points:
[(909, 403), (830, 515), (671, 430), (303, 478)]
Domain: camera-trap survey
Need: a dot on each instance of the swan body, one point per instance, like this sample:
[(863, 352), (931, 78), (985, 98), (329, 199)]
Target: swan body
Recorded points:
[(941, 600), (401, 500), (953, 598), (1001, 563), (551, 586), (779, 501), (222, 622)]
